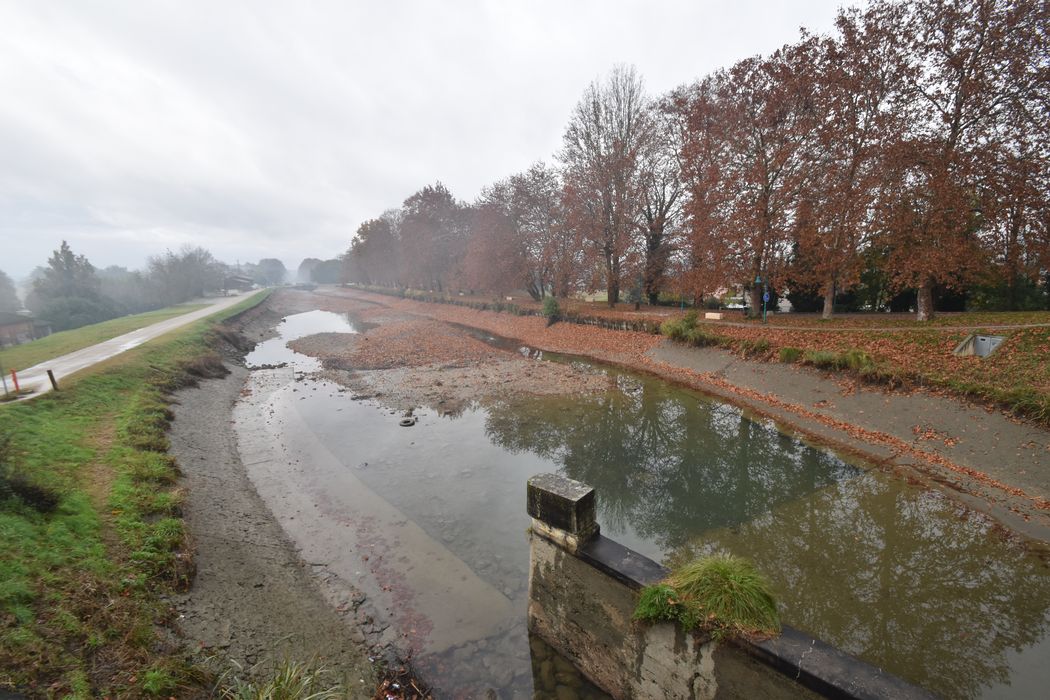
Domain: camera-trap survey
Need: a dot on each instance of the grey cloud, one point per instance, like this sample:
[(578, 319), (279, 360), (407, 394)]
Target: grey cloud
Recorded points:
[(272, 129)]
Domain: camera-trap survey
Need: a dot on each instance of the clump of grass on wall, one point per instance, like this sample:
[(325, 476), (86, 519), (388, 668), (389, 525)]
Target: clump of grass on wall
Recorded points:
[(722, 594)]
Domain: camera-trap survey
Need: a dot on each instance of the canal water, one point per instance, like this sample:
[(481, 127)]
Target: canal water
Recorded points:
[(432, 517)]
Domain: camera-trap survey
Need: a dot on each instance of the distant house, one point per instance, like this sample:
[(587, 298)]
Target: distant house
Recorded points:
[(16, 329), (238, 283)]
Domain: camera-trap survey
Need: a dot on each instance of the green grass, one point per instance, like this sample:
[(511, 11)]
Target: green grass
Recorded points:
[(79, 583), (721, 594), (19, 357)]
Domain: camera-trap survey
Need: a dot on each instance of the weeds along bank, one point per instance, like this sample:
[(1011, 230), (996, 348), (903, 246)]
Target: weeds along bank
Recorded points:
[(91, 533)]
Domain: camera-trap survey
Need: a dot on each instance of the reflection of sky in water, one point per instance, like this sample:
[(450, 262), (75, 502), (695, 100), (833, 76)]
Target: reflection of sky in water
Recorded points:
[(902, 577), (275, 351)]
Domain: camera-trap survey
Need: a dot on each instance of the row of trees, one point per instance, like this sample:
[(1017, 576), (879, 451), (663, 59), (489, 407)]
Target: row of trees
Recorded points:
[(907, 151), (70, 292)]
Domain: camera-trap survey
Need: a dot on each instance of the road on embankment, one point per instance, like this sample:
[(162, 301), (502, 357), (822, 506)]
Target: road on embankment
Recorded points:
[(35, 378)]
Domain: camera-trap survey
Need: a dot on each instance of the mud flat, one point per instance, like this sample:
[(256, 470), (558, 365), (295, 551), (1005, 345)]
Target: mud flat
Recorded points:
[(253, 600)]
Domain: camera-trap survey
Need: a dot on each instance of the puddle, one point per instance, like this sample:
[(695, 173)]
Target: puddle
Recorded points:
[(275, 351), (430, 521)]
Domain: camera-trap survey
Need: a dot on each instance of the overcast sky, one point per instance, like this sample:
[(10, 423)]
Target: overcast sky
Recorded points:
[(273, 129)]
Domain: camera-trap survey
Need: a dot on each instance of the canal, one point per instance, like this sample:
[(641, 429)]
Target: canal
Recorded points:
[(429, 521)]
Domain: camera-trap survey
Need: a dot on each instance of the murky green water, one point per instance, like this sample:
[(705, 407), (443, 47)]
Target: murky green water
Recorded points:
[(901, 576)]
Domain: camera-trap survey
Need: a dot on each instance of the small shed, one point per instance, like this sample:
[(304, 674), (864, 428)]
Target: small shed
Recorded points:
[(16, 329), (238, 283)]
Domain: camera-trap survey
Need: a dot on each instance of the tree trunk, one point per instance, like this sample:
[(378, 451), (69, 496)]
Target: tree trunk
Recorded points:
[(924, 302), (829, 301)]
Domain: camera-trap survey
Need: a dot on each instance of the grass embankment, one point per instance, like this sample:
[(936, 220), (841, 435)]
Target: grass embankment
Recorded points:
[(90, 526), (26, 355), (1016, 376)]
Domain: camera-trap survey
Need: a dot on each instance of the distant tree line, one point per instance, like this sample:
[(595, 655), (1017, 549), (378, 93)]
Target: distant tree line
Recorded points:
[(902, 161), (70, 292)]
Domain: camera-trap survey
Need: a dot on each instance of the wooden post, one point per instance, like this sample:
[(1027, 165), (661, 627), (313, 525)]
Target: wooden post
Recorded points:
[(14, 378), (51, 376)]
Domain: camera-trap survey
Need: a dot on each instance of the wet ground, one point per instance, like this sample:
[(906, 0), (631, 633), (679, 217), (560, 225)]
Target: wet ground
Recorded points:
[(428, 520)]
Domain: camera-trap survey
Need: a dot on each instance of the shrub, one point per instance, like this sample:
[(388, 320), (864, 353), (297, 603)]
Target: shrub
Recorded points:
[(701, 338), (755, 347), (680, 329), (821, 358), (790, 354), (551, 310), (856, 360)]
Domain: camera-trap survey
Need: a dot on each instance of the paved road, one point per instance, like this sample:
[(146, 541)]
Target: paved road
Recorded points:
[(35, 377)]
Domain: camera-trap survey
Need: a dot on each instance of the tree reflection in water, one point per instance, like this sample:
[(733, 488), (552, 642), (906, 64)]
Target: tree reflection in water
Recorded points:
[(904, 578), (667, 463)]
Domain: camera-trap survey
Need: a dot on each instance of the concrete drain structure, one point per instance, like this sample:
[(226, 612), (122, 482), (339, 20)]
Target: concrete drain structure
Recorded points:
[(979, 345), (583, 589)]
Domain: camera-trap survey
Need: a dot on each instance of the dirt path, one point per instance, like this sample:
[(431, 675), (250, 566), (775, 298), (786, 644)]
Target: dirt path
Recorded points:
[(997, 464), (252, 599)]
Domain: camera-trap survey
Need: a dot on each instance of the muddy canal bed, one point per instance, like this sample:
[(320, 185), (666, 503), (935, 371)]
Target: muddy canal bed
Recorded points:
[(429, 521)]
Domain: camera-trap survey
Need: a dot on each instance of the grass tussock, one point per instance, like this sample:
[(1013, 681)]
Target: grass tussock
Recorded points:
[(92, 529), (686, 330), (720, 594), (289, 680)]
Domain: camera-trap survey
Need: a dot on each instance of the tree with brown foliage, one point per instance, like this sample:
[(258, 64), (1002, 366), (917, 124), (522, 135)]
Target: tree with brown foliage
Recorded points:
[(603, 144), (857, 75), (660, 200), (433, 236), (697, 267), (373, 256), (971, 63), (765, 118)]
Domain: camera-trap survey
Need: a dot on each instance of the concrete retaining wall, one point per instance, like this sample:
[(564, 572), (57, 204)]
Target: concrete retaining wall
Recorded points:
[(583, 589)]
